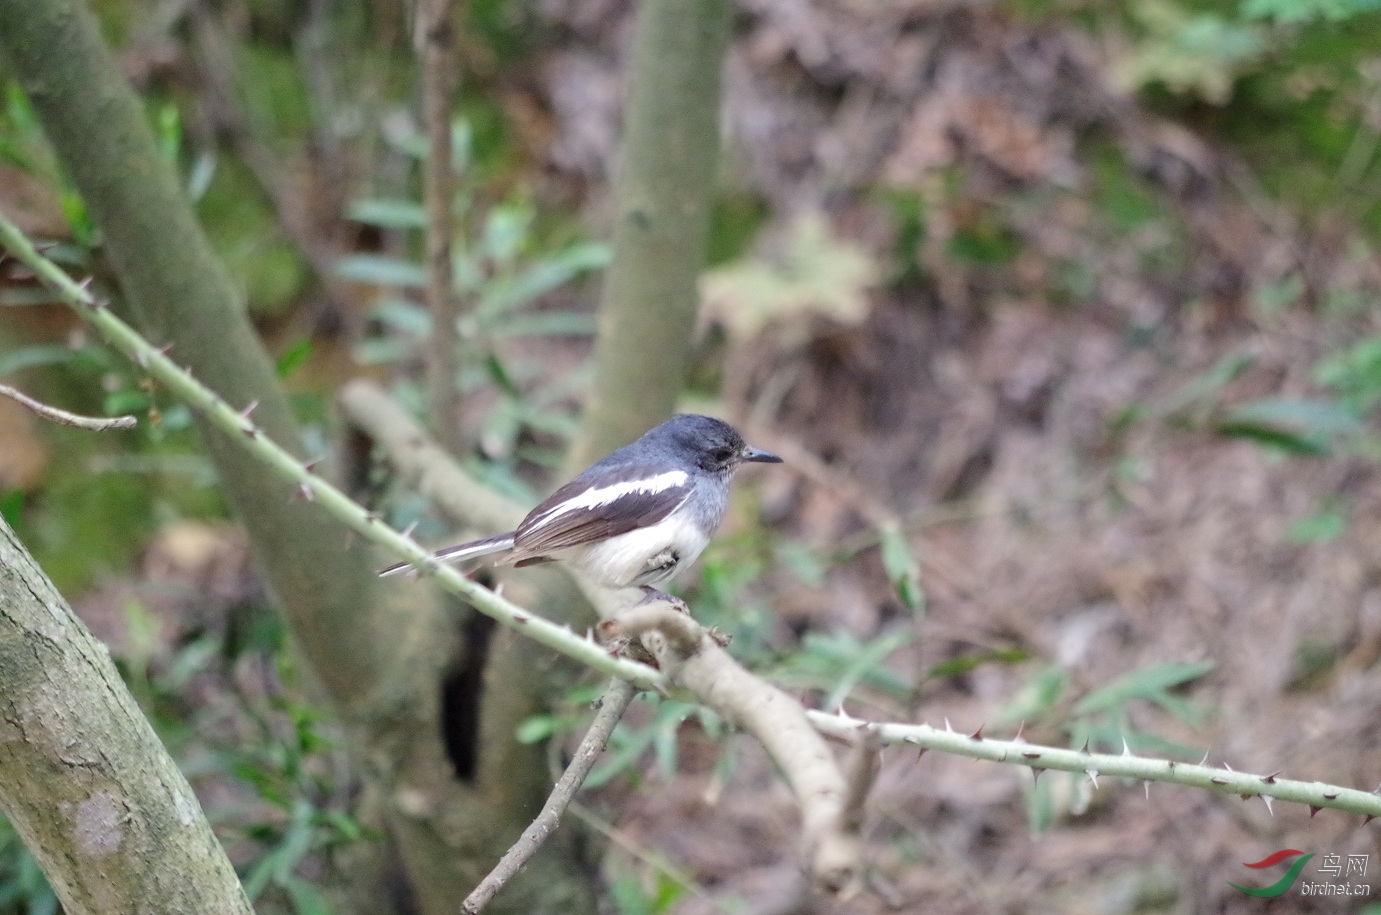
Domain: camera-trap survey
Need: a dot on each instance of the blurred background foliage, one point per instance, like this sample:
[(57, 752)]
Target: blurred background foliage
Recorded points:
[(1110, 198)]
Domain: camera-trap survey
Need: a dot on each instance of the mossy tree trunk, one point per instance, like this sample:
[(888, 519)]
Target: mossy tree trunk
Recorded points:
[(83, 777)]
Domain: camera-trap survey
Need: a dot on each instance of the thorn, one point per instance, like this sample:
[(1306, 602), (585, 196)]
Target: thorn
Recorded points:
[(1172, 764), (372, 517), (141, 359), (1031, 755), (1271, 779), (248, 411), (1267, 798), (1093, 777), (1205, 759), (498, 591), (1313, 810), (1085, 749), (1126, 750), (920, 751), (521, 619), (947, 727), (1226, 766), (1331, 797), (305, 493), (978, 734), (165, 349), (1370, 817), (1218, 781), (1020, 728), (84, 284), (1036, 774), (310, 466), (1146, 786)]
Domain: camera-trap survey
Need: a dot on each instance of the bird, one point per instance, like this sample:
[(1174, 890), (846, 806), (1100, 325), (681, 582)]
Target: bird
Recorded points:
[(634, 518)]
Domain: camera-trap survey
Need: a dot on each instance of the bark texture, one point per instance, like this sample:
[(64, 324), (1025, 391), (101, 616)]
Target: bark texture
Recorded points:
[(83, 777), (665, 188)]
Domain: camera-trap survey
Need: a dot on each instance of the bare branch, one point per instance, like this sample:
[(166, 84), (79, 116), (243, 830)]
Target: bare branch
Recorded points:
[(612, 706), (830, 848), (93, 423), (423, 464)]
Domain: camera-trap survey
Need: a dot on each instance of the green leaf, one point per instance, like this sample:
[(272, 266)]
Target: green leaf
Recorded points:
[(867, 660), (1298, 426), (292, 357), (545, 324), (388, 214), (902, 569), (382, 271), (1150, 683), (537, 728), (1037, 697), (1328, 523), (304, 897), (1355, 373), (552, 272)]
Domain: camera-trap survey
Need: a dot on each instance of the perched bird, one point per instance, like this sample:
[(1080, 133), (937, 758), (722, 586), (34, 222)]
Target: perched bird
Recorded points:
[(632, 519)]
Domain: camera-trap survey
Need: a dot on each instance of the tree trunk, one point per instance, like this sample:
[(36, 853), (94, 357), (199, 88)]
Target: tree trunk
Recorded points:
[(83, 777), (665, 187)]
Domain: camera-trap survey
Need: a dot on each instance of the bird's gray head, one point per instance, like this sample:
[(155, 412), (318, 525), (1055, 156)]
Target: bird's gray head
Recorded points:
[(709, 443)]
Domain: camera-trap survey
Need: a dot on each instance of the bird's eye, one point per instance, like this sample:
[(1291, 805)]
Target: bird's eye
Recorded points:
[(723, 455)]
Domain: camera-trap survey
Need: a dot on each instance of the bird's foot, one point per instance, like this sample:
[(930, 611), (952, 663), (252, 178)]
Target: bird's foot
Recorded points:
[(652, 595)]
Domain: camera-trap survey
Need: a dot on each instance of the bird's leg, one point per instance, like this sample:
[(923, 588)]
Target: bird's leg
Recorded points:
[(652, 595)]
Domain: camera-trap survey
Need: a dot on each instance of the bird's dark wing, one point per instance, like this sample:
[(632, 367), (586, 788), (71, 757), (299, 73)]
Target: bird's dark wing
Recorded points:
[(604, 501)]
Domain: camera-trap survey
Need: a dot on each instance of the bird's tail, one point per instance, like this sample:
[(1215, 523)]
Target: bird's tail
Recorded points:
[(460, 552)]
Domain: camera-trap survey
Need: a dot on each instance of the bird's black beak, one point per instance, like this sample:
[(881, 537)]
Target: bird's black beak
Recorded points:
[(758, 456)]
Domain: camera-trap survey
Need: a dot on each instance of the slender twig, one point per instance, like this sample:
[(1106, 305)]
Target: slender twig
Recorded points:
[(435, 39), (93, 423), (1117, 765), (612, 706), (240, 424), (860, 772)]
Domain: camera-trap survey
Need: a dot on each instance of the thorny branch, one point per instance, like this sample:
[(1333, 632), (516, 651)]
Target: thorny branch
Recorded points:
[(611, 708), (92, 423), (240, 424), (1270, 788)]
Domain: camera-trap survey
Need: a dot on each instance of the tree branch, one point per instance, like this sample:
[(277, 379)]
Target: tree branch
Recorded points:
[(1124, 765), (611, 708), (423, 464), (91, 423), (691, 659), (240, 426)]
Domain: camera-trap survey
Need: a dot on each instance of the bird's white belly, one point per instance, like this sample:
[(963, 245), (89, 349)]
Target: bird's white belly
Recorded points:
[(623, 561)]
